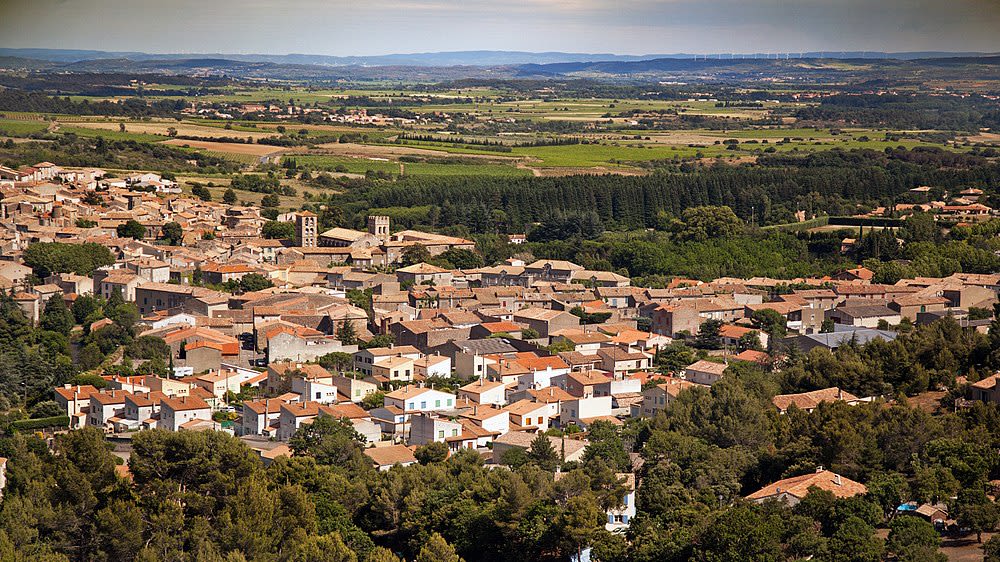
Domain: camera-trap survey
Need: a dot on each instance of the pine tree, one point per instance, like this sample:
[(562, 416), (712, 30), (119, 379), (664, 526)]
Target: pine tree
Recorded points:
[(543, 453), (346, 333)]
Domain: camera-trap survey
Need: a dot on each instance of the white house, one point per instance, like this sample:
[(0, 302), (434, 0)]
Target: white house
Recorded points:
[(427, 428), (582, 411), (104, 406), (259, 417), (175, 412), (484, 392), (620, 517), (354, 389), (490, 418), (528, 415), (411, 399)]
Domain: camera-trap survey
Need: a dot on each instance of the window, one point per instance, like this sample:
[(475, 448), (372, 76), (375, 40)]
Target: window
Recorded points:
[(454, 433), (423, 404), (479, 367), (319, 395), (412, 405), (527, 421), (449, 401), (437, 403), (440, 434)]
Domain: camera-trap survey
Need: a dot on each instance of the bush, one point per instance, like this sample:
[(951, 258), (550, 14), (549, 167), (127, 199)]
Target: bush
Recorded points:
[(40, 423)]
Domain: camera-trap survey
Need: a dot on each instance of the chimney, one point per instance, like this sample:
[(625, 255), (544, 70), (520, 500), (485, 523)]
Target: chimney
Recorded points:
[(836, 478), (819, 469)]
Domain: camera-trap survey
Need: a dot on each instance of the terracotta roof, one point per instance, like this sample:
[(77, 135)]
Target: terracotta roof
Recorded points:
[(707, 367), (550, 394), (184, 403), (480, 386), (82, 392), (798, 486), (810, 400), (391, 455)]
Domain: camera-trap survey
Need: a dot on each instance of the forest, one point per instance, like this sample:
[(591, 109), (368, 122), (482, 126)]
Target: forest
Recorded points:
[(769, 192), (16, 100), (906, 111), (205, 496)]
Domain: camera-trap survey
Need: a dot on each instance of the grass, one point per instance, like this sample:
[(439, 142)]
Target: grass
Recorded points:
[(15, 128), (111, 135), (362, 165)]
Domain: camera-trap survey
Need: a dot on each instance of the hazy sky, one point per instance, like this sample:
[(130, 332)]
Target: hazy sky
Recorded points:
[(364, 27)]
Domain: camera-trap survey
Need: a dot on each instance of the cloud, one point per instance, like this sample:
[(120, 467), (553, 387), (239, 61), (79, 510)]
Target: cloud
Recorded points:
[(345, 27)]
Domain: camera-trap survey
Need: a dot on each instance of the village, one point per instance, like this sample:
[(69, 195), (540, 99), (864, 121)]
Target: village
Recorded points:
[(488, 359)]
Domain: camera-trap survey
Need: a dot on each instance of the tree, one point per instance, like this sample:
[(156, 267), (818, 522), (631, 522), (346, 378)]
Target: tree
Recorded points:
[(346, 333), (909, 535), (606, 445), (975, 511), (336, 360), (373, 400), (56, 316), (330, 441), (542, 453), (229, 197), (991, 549), (855, 541), (457, 258), (124, 314), (172, 233), (578, 522), (276, 230), (771, 322), (741, 533), (380, 554), (709, 335), (417, 253), (674, 356), (270, 200), (131, 229), (46, 258), (749, 341), (706, 223), (920, 227), (436, 549), (201, 192), (254, 282), (431, 452)]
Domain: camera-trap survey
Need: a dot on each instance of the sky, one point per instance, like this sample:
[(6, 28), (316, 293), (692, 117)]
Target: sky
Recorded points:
[(372, 27)]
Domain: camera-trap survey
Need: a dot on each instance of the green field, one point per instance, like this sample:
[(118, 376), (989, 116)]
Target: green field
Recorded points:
[(362, 165), (16, 128), (111, 135)]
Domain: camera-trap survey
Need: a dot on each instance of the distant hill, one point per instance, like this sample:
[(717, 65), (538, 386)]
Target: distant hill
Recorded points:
[(454, 58)]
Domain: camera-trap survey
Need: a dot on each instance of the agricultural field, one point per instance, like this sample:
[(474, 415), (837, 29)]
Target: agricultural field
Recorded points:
[(162, 127), (395, 167), (16, 128)]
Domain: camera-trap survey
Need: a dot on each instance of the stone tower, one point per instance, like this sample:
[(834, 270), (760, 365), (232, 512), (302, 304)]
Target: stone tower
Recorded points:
[(378, 226), (306, 224)]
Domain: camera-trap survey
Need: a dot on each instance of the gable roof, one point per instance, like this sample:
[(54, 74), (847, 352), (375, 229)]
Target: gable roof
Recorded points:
[(798, 486), (391, 455)]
